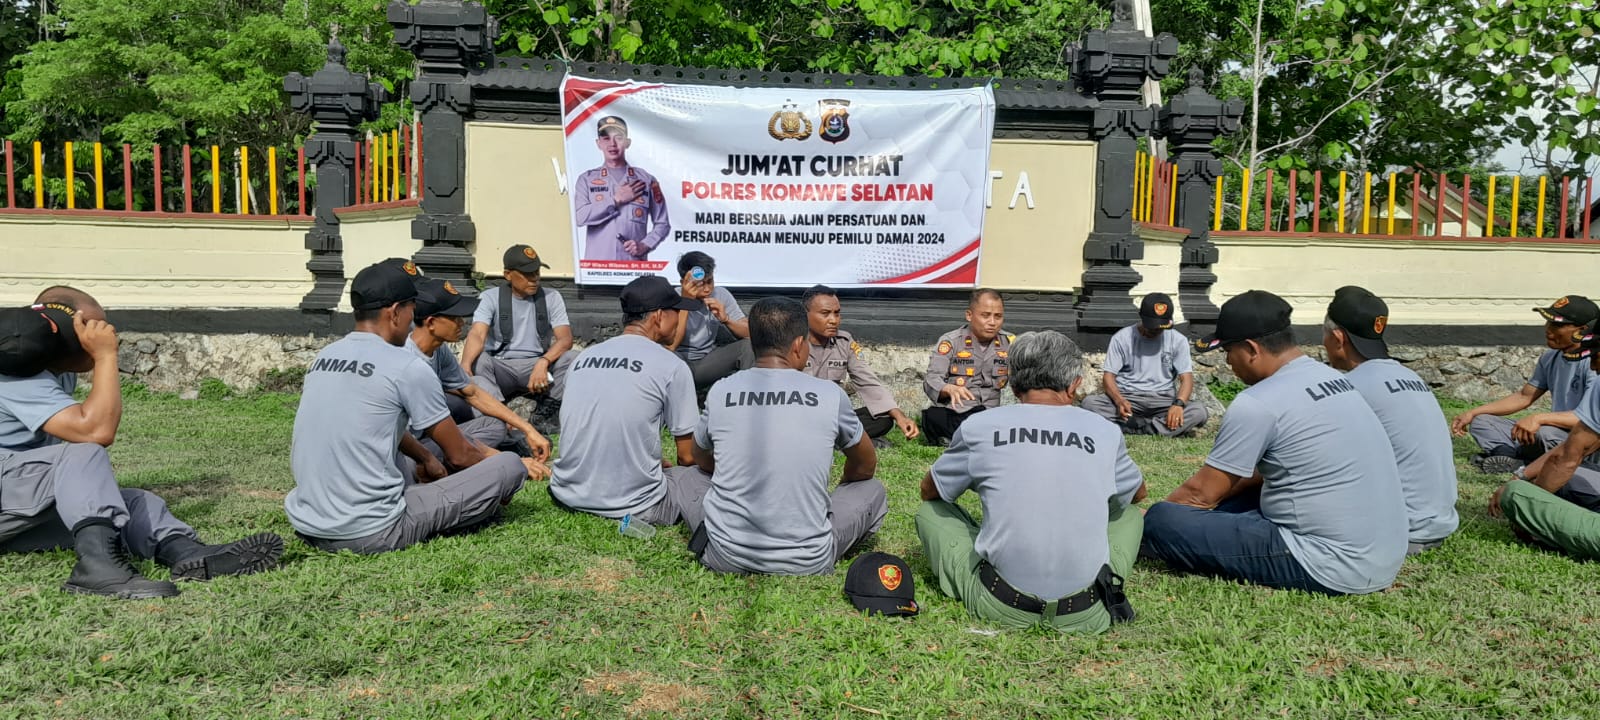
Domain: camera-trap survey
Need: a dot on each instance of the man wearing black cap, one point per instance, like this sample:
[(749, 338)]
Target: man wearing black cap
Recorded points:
[(1292, 495), (621, 205), (1507, 443), (1149, 376), (1057, 489), (714, 340), (1418, 434), (56, 481), (622, 393), (523, 328), (362, 394), (441, 317)]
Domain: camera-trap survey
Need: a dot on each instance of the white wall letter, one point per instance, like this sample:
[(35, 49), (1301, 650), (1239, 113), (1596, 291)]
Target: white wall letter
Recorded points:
[(1023, 190)]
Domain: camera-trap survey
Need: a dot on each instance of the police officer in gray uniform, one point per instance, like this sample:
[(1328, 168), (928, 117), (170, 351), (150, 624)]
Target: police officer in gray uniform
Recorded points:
[(714, 340), (1057, 488), (836, 357), (967, 368), (1292, 495), (622, 392), (767, 440), (523, 328), (620, 204), (1352, 334), (1507, 443), (1149, 376), (352, 491), (442, 314), (57, 489)]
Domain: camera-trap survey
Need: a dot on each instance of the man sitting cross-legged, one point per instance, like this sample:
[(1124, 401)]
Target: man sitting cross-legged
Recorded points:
[(57, 489), (361, 394), (620, 394), (1056, 485), (1300, 490), (1149, 376), (767, 439)]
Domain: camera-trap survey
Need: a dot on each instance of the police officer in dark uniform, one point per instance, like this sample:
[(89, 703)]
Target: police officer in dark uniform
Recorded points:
[(621, 205), (967, 368)]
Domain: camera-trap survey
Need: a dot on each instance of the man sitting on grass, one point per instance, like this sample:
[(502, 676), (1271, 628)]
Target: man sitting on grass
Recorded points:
[(57, 487), (1555, 502), (361, 394), (767, 440), (620, 394), (1056, 484), (1300, 491)]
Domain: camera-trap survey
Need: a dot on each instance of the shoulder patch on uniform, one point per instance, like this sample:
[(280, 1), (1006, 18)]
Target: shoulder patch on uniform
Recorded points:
[(969, 342), (855, 347), (944, 347), (655, 193)]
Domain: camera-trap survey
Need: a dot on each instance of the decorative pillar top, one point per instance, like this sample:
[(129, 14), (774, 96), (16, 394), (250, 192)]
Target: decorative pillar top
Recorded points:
[(444, 35), (1193, 118), (335, 97), (1112, 64)]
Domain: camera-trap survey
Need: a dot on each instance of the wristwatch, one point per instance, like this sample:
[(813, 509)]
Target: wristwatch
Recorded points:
[(1520, 473), (1180, 402)]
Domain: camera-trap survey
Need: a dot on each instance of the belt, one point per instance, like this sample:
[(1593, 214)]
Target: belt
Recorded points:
[(1002, 591)]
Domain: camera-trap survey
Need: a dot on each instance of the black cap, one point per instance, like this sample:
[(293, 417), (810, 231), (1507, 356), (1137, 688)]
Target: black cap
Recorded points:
[(1571, 310), (1588, 345), (405, 266), (881, 583), (1155, 311), (523, 259), (1253, 314), (439, 297), (610, 123), (649, 293), (1363, 316), (381, 285), (31, 337)]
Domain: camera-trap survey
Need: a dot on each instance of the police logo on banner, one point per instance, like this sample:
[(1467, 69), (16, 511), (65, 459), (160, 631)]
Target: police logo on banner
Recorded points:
[(835, 120), (789, 124)]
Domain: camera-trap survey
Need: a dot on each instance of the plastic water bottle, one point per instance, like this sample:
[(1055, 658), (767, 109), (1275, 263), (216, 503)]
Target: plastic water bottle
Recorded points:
[(636, 528), (697, 273)]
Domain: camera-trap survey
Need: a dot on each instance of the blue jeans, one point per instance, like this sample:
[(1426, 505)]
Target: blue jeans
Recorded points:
[(1233, 541)]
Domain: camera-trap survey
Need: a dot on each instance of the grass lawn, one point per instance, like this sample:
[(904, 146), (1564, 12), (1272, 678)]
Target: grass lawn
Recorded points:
[(555, 615)]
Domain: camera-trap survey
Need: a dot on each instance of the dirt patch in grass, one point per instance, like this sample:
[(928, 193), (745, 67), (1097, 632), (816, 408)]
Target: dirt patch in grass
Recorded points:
[(604, 575), (260, 494), (655, 696)]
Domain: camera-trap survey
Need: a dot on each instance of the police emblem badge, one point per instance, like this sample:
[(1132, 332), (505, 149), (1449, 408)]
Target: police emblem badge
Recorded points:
[(789, 124), (1560, 302), (450, 288), (835, 120), (890, 576), (1161, 309), (409, 267), (1379, 323), (944, 347)]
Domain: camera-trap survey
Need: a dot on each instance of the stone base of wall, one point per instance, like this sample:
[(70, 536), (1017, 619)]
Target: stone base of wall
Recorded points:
[(178, 362)]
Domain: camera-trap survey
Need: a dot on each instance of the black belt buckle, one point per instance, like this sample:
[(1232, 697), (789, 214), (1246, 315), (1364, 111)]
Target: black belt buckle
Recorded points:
[(1109, 586), (1002, 591)]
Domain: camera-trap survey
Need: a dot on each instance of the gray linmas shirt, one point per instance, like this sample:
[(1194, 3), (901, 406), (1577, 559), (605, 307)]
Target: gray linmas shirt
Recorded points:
[(774, 433), (1420, 437), (1565, 381), (1330, 480), (700, 336), (1148, 365), (444, 364), (1047, 477), (620, 393), (27, 403), (360, 395), (524, 320)]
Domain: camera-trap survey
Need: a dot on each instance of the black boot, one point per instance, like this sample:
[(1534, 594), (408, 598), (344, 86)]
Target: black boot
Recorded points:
[(191, 559), (546, 417), (103, 567)]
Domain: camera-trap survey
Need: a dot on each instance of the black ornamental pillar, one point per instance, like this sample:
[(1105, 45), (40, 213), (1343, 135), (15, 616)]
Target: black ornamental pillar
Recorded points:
[(1190, 121), (338, 101), (1112, 65), (448, 38)]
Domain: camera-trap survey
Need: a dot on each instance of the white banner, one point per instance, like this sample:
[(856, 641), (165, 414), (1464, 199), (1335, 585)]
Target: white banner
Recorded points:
[(785, 187)]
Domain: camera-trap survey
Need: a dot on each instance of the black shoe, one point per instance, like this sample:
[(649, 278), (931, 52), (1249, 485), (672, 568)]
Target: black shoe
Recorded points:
[(104, 569), (546, 417), (1497, 464), (193, 560)]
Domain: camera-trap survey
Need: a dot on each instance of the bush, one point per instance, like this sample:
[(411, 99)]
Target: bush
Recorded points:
[(1225, 392), (214, 389), (286, 380)]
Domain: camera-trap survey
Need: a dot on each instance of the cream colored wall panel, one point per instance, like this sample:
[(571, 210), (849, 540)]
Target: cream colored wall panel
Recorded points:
[(1424, 282), (137, 262), (1162, 252), (373, 235), (514, 194)]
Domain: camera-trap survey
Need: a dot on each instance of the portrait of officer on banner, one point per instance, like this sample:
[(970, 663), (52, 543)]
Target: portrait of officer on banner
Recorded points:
[(621, 206)]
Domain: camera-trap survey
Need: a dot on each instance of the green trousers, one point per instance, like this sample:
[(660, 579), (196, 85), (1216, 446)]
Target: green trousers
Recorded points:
[(1551, 520), (949, 535)]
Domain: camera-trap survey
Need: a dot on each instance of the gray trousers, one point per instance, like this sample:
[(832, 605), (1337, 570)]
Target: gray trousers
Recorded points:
[(459, 502), (855, 510), (1149, 413), (722, 362), (686, 492), (46, 493), (1493, 434), (510, 375), (484, 429)]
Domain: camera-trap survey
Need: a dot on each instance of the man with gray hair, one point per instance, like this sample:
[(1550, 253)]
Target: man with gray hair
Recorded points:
[(1057, 487)]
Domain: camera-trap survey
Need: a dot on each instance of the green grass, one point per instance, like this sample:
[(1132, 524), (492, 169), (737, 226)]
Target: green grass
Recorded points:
[(554, 615)]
